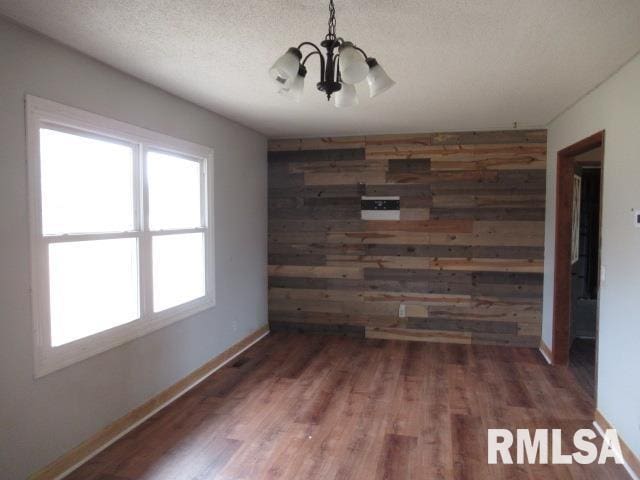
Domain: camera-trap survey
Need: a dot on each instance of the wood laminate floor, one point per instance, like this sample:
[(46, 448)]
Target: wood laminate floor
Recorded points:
[(322, 407), (582, 363)]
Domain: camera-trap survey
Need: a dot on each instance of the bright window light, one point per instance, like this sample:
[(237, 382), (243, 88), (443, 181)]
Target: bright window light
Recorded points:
[(174, 191), (178, 269), (87, 184), (120, 235), (93, 287)]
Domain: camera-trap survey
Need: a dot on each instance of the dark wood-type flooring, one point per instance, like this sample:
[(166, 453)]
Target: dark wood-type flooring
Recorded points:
[(582, 362), (325, 407)]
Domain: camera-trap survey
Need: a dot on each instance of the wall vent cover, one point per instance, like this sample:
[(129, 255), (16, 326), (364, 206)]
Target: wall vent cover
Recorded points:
[(380, 208)]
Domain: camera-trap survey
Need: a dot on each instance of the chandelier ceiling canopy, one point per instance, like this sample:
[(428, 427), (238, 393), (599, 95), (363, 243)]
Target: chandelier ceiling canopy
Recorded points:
[(339, 71)]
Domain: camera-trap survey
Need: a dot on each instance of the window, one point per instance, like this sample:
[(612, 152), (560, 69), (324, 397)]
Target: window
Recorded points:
[(121, 232)]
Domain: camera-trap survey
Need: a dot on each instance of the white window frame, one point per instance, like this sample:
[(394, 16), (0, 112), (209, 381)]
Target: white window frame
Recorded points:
[(45, 113)]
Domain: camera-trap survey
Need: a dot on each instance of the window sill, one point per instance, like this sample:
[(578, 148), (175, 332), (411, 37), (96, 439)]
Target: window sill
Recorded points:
[(50, 359)]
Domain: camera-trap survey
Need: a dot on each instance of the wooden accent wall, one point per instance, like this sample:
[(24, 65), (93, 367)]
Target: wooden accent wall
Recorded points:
[(466, 256)]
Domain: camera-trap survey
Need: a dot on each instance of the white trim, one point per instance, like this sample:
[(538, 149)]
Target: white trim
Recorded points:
[(75, 118), (545, 356), (41, 112), (83, 237), (152, 413), (617, 453), (146, 249)]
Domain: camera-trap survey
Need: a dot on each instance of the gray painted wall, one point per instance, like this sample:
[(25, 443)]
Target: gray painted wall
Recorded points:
[(41, 419), (615, 107)]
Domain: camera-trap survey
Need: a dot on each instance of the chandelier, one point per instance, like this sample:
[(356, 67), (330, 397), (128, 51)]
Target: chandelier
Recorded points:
[(339, 72)]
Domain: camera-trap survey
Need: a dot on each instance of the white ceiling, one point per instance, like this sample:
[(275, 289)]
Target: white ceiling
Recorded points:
[(459, 64)]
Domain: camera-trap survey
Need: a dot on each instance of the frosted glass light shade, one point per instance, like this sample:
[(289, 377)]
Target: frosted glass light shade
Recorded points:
[(353, 67), (285, 70), (346, 96), (377, 78), (295, 90)]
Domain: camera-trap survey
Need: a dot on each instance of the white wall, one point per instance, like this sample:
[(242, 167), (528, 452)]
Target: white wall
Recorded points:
[(614, 107), (41, 419)]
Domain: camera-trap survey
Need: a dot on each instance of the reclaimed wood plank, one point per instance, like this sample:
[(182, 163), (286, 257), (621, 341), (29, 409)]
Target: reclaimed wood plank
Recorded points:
[(438, 263), (432, 177), (461, 138), (410, 165), (489, 201), (465, 257), (448, 226), (325, 143), (330, 155), (458, 152), (413, 213), (315, 271), (488, 213), (338, 167)]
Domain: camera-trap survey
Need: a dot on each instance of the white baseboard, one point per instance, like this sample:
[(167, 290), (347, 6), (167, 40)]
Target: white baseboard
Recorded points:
[(618, 453)]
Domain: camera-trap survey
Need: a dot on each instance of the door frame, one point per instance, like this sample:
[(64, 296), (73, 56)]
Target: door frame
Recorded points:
[(562, 273)]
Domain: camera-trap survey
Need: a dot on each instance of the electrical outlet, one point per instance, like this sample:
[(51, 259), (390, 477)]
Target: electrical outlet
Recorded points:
[(402, 311)]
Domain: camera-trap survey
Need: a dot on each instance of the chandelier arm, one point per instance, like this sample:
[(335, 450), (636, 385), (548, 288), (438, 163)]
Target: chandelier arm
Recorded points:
[(317, 51), (361, 51), (311, 44), (309, 55)]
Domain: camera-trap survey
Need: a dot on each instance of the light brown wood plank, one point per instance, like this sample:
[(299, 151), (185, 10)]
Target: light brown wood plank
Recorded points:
[(326, 143), (314, 271), (448, 226)]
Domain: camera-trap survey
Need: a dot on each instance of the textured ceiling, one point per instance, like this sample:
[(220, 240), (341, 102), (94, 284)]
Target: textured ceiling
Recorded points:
[(459, 64)]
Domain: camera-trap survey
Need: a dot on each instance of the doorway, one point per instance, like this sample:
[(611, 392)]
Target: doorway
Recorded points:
[(577, 257), (584, 267)]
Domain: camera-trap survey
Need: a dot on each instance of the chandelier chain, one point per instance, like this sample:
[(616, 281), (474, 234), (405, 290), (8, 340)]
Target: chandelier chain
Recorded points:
[(332, 21)]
